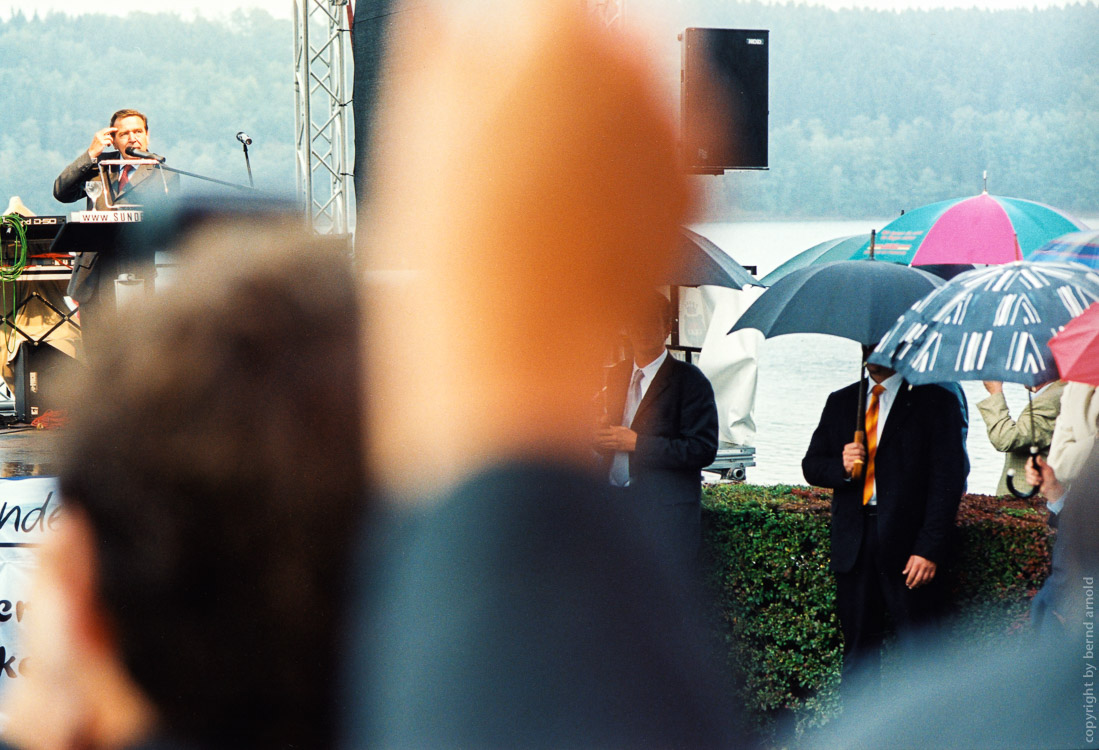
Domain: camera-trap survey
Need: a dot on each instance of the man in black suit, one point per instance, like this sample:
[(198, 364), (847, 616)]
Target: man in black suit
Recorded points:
[(124, 187), (892, 522), (662, 432)]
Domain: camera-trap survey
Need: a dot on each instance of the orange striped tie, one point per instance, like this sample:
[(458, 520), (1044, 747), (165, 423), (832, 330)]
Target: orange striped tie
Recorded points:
[(871, 442)]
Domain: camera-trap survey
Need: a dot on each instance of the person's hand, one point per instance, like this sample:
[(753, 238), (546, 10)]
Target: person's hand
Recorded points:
[(994, 386), (853, 452), (101, 141), (1033, 473), (1043, 476), (616, 438), (919, 571)]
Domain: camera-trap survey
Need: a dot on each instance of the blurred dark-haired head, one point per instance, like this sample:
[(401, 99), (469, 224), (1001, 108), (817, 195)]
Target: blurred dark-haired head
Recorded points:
[(215, 451)]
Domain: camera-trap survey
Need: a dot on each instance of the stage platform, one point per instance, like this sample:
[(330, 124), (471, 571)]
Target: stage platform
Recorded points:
[(27, 452)]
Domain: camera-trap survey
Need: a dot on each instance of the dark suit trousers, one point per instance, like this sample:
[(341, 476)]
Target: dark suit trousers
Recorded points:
[(673, 531), (868, 598)]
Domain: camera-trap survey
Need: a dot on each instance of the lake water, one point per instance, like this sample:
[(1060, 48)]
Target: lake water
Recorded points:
[(798, 371)]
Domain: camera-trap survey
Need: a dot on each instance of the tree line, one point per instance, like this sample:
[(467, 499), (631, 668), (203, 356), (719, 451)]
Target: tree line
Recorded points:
[(875, 112), (871, 112)]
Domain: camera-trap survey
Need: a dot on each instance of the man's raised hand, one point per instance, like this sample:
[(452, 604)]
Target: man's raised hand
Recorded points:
[(101, 141)]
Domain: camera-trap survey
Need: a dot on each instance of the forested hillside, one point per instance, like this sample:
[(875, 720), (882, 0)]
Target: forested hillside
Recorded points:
[(871, 112)]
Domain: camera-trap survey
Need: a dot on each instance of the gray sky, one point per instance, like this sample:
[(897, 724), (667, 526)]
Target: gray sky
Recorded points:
[(284, 8), (186, 8)]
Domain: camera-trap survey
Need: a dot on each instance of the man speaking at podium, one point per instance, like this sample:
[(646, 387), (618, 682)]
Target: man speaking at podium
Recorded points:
[(129, 129), (128, 136)]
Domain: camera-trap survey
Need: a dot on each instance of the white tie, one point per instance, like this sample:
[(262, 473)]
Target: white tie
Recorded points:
[(633, 398), (620, 467)]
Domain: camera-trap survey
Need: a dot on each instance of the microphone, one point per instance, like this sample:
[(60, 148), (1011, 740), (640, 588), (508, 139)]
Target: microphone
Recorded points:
[(139, 154), (245, 142)]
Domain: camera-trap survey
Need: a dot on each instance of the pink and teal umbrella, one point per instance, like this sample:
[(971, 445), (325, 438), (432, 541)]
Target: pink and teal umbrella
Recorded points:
[(980, 229), (1075, 247)]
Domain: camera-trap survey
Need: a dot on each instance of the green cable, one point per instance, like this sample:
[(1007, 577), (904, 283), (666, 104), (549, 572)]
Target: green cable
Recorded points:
[(10, 273), (16, 222)]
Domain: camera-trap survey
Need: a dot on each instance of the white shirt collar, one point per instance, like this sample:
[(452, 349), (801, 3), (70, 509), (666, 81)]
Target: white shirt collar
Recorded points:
[(651, 368), (892, 384)]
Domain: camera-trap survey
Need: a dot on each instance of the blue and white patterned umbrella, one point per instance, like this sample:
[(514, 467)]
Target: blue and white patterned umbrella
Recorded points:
[(993, 323), (1075, 247)]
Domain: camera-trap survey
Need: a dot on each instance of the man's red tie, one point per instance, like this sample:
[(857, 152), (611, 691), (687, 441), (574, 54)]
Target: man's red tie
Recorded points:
[(871, 442), (124, 179)]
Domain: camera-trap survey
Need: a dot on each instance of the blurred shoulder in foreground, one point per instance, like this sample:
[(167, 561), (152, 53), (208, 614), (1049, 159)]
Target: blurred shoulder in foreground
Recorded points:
[(525, 192)]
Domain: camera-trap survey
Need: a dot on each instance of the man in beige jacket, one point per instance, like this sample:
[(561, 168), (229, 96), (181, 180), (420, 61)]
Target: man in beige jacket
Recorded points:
[(1014, 437)]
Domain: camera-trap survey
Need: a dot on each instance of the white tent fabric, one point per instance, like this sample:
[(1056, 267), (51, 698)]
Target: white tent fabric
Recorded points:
[(729, 361)]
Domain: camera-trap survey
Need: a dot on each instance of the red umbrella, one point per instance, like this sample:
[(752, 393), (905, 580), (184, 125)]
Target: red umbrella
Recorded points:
[(1076, 348)]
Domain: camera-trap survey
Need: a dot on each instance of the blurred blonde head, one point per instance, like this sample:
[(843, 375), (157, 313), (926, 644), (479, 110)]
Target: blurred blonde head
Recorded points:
[(524, 189)]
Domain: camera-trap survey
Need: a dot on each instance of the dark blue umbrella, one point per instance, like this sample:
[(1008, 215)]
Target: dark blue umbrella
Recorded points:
[(854, 299), (829, 251), (852, 247), (699, 261), (992, 323)]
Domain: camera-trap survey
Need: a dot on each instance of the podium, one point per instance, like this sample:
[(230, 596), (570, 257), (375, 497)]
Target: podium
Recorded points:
[(107, 233), (100, 232)]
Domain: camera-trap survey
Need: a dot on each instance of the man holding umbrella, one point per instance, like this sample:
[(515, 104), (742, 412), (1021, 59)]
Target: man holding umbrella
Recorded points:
[(1034, 427), (893, 509), (896, 490)]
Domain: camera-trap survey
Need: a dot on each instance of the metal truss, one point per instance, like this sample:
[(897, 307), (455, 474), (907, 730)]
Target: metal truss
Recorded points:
[(324, 136)]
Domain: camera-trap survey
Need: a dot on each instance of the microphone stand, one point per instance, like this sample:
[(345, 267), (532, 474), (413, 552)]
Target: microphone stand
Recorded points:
[(248, 163), (205, 178), (185, 173)]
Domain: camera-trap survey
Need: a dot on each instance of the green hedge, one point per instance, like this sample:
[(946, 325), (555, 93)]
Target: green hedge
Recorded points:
[(766, 552)]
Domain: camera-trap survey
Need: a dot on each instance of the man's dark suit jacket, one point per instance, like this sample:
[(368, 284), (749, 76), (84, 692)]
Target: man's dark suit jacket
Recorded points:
[(521, 611), (69, 188), (920, 467), (676, 426)]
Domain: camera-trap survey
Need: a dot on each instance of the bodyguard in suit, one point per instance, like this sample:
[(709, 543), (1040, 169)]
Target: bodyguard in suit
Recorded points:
[(892, 524), (128, 129), (661, 432)]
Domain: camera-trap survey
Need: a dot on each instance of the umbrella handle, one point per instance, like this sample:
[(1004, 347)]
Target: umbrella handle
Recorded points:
[(856, 469), (1010, 479)]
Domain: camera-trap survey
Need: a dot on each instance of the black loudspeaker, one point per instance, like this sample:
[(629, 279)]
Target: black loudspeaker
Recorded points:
[(39, 370), (724, 99)]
